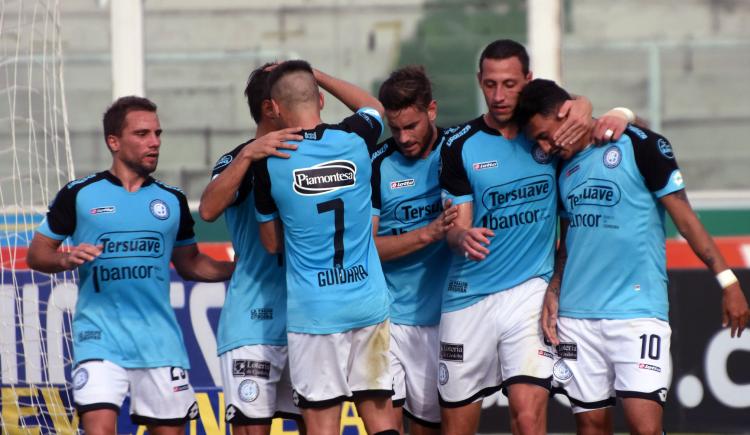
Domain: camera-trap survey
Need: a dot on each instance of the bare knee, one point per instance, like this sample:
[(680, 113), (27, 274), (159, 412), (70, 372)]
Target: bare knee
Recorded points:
[(646, 427)]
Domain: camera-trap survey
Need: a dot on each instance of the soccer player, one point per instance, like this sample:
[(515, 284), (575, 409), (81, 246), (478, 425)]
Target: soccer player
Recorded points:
[(610, 281), (126, 227), (410, 226), (337, 304), (504, 235), (251, 337)]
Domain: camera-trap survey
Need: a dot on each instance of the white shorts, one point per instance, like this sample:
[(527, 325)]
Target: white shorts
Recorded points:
[(414, 368), (493, 344), (328, 369), (598, 360), (257, 386), (159, 396)]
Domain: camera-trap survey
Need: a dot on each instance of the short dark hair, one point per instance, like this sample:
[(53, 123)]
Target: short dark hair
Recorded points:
[(539, 97), (257, 90), (288, 67), (114, 118), (405, 87), (505, 49)]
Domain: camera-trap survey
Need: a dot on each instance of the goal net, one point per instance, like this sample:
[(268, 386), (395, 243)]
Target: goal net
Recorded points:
[(35, 162)]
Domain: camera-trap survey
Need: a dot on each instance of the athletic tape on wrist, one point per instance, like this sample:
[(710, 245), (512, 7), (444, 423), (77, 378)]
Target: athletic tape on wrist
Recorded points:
[(627, 112), (726, 278)]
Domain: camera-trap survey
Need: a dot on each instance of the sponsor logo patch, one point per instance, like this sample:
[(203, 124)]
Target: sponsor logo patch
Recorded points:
[(677, 178), (159, 209), (561, 371), (662, 394), (325, 177), (451, 351), (480, 166), (458, 286), (400, 184), (107, 209), (261, 314), (295, 398), (419, 209), (180, 388), (567, 351), (230, 413), (443, 374), (246, 367), (223, 161), (456, 136), (80, 378), (248, 390), (517, 192), (665, 148), (128, 244), (89, 335), (594, 191), (651, 367), (572, 170), (612, 157), (193, 413), (311, 135), (544, 353)]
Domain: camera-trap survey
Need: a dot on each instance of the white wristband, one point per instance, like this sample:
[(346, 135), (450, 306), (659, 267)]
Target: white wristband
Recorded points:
[(627, 112), (726, 278)]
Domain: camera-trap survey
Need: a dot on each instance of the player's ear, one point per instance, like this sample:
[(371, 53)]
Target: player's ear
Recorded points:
[(275, 110), (266, 109), (432, 111), (113, 143), (321, 100)]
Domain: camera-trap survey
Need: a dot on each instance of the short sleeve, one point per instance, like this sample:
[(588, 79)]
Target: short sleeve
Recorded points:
[(246, 185), (367, 124), (453, 178), (265, 206), (185, 233), (60, 221), (656, 162)]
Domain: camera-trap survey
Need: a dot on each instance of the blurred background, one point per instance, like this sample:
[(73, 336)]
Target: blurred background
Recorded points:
[(682, 65)]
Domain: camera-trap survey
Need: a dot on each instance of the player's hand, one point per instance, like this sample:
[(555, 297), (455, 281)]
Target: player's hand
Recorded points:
[(474, 242), (79, 255), (436, 229), (735, 313), (610, 127), (549, 314), (271, 143), (578, 114)]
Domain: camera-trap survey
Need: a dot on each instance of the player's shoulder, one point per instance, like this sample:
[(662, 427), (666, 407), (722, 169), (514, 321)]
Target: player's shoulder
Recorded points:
[(229, 156), (174, 190), (453, 138), (384, 150), (79, 183), (642, 137)]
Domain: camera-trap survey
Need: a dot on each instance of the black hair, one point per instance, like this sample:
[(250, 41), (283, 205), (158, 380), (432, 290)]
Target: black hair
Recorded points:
[(505, 49), (539, 97), (257, 90), (405, 87), (113, 120)]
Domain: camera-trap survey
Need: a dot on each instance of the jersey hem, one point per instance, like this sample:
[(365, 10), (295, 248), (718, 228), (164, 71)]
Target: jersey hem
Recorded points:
[(338, 329), (613, 315), (238, 344)]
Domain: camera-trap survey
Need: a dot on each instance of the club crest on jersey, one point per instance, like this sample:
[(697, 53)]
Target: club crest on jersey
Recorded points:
[(325, 177), (612, 157), (484, 165), (159, 209), (539, 155), (665, 148), (443, 374), (248, 390), (107, 209), (80, 378)]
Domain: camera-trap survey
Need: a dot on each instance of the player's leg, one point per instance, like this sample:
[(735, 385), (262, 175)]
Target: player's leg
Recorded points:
[(468, 366), (525, 359), (643, 368), (644, 416), (594, 422), (583, 372), (415, 345), (318, 365), (99, 388), (285, 406), (162, 399), (252, 378), (369, 376), (399, 378)]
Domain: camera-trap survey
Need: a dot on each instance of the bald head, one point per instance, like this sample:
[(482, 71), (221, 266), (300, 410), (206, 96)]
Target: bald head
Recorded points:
[(293, 86)]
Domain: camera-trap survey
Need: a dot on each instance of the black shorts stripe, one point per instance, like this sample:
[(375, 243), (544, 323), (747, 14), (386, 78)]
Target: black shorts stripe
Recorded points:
[(481, 393), (610, 401), (303, 403), (366, 394), (95, 407), (545, 383), (399, 403), (653, 396)]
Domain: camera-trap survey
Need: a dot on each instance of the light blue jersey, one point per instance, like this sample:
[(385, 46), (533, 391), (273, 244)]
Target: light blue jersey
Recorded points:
[(322, 195), (616, 266), (123, 312), (511, 184), (406, 195), (254, 310)]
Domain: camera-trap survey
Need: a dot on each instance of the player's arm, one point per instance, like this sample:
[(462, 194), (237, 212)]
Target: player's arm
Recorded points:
[(351, 95), (44, 255), (392, 247), (194, 265), (552, 296), (272, 236), (471, 242), (609, 127), (734, 304), (223, 188)]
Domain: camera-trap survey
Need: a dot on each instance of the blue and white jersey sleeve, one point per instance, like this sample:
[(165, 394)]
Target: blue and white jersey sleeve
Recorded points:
[(656, 162), (265, 206), (223, 163), (366, 123), (60, 221), (185, 232)]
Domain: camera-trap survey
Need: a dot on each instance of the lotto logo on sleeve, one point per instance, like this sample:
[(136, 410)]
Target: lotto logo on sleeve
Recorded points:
[(325, 177)]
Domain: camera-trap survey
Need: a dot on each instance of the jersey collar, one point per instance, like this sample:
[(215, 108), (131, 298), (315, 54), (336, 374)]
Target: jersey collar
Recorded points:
[(116, 181)]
